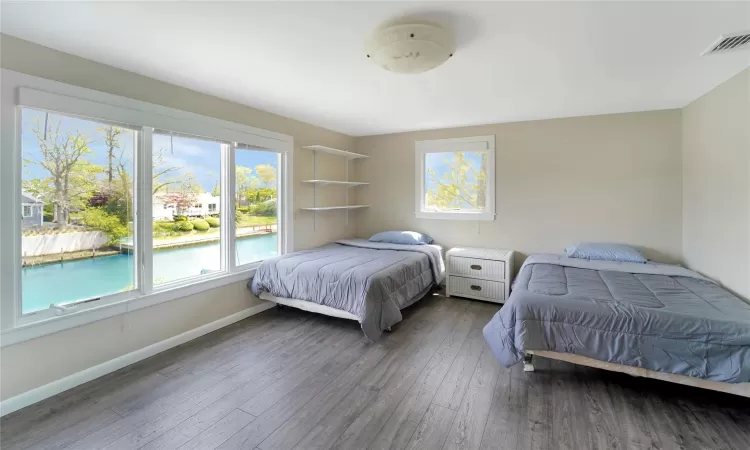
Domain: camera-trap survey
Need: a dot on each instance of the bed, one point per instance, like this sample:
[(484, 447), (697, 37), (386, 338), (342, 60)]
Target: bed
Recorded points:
[(370, 282), (653, 320)]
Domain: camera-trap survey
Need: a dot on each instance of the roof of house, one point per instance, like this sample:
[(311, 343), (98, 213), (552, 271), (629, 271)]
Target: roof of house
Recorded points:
[(26, 199)]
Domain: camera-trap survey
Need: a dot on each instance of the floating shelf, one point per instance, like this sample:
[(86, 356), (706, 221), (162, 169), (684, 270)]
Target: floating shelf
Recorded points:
[(331, 208), (337, 183), (334, 151)]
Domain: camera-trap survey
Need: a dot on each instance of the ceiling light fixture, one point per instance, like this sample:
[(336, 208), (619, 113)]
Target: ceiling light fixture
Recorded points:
[(410, 47)]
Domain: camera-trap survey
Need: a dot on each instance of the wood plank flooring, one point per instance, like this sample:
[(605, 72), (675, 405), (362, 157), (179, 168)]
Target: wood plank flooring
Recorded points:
[(286, 379)]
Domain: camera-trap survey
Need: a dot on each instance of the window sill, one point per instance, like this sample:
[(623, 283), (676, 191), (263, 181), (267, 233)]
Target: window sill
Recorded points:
[(483, 216), (74, 319)]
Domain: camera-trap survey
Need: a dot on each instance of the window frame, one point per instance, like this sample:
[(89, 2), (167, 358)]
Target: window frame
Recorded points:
[(23, 211), (477, 144), (21, 90)]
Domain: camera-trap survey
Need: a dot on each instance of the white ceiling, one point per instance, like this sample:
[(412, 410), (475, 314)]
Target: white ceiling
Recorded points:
[(515, 61)]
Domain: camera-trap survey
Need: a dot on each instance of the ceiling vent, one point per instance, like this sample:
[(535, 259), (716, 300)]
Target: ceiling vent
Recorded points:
[(727, 42)]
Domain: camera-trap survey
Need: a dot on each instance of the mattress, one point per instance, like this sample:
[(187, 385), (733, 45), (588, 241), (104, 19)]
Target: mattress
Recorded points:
[(654, 316), (370, 280)]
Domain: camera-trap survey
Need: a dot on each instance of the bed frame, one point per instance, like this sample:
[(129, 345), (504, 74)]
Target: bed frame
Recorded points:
[(308, 306), (741, 389)]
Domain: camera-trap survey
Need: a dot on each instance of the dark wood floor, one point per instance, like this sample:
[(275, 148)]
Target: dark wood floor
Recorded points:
[(286, 379)]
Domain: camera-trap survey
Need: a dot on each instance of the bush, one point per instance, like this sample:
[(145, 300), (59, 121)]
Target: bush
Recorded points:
[(200, 225), (48, 212), (213, 222), (180, 218), (267, 209), (100, 219), (183, 226)]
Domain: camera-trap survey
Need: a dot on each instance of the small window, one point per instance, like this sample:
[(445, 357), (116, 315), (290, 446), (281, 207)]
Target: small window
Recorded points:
[(212, 207), (456, 178), (27, 211)]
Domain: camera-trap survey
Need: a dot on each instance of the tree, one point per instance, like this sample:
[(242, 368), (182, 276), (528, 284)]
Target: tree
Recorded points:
[(243, 182), (182, 201), (111, 140), (162, 171), (216, 190), (266, 174), (462, 184), (260, 195), (61, 156), (185, 195)]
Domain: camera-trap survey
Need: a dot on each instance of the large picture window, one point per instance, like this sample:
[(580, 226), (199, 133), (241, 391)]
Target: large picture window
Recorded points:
[(456, 178), (121, 204)]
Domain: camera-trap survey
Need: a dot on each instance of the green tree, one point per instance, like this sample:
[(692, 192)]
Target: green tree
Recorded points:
[(462, 185), (70, 175), (100, 219), (244, 180), (259, 195), (266, 174)]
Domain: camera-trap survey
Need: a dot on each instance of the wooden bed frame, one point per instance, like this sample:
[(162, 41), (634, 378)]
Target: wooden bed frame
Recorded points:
[(741, 389)]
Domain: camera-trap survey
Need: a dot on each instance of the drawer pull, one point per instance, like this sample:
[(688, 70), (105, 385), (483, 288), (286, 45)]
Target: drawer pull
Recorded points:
[(476, 267), (474, 287)]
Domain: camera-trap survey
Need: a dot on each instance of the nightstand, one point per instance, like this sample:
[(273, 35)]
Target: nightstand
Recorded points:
[(479, 273)]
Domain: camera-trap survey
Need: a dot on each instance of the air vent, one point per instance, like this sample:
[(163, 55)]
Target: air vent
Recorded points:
[(725, 43)]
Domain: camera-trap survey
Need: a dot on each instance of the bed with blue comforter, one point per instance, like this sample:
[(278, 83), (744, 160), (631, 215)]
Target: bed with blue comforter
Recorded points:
[(373, 281), (658, 317)]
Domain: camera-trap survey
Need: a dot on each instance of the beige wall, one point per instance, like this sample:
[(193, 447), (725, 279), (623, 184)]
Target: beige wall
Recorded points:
[(34, 363), (605, 178), (716, 184)]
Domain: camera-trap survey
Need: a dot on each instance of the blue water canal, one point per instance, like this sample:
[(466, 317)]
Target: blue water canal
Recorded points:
[(96, 277)]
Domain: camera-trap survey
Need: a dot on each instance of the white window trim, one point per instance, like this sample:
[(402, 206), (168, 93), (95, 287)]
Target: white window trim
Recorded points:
[(467, 144), (25, 90), (23, 211)]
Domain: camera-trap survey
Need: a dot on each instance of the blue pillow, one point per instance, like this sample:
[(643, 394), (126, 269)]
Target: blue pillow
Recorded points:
[(402, 237), (605, 252)]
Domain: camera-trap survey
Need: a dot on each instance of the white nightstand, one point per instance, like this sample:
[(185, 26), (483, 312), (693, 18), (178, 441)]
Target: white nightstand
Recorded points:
[(480, 273)]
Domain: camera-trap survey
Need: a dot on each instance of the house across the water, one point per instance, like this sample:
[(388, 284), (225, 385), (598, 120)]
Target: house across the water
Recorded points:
[(32, 211), (205, 204)]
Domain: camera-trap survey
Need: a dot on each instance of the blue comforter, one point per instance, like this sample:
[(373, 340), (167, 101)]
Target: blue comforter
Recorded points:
[(371, 280), (655, 316)]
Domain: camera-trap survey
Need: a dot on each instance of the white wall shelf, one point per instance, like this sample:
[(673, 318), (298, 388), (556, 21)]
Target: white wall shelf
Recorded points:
[(315, 182), (331, 208), (335, 183), (334, 151)]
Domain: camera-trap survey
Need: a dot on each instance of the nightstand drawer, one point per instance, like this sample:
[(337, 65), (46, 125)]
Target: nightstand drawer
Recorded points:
[(474, 267), (493, 291)]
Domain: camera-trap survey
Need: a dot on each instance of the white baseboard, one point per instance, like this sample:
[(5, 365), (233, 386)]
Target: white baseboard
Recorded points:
[(48, 390)]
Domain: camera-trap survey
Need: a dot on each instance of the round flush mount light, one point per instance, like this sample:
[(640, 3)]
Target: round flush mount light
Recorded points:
[(410, 47)]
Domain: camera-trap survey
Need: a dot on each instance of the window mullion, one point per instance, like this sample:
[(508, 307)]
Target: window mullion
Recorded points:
[(228, 243), (144, 213)]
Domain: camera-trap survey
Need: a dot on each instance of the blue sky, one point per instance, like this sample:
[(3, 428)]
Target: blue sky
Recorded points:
[(199, 157)]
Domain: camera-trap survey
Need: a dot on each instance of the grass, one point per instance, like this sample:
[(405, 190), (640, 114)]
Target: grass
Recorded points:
[(250, 221)]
